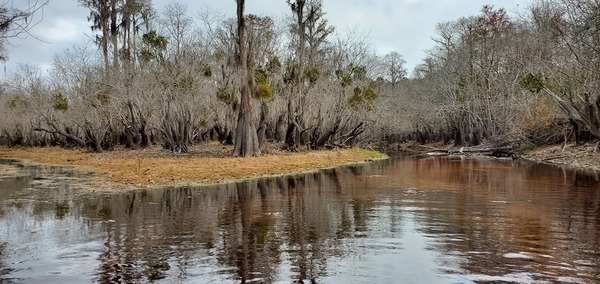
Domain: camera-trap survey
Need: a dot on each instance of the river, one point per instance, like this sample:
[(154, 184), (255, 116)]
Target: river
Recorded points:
[(404, 220)]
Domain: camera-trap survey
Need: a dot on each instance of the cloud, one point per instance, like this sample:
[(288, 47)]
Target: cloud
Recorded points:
[(63, 30), (405, 26)]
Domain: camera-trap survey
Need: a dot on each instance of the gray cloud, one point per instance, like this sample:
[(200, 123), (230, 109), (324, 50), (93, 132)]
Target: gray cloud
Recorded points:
[(405, 26)]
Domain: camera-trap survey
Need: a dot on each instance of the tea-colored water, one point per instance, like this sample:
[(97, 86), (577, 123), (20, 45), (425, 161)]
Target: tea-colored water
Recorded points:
[(406, 220)]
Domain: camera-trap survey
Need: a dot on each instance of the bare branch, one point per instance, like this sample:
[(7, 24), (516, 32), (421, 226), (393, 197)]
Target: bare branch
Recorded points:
[(17, 23)]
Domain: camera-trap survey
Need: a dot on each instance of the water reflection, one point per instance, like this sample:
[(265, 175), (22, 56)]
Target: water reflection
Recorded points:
[(422, 220)]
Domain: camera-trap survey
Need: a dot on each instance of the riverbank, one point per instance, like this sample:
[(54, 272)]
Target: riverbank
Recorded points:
[(586, 156), (204, 164)]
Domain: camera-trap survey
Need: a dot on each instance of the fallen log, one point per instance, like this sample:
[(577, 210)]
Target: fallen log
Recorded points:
[(485, 150), (503, 150)]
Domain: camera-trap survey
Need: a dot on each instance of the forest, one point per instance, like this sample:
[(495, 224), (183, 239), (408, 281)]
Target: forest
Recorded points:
[(181, 78)]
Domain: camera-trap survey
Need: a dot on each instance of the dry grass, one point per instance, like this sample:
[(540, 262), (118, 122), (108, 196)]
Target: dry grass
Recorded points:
[(543, 115), (205, 164)]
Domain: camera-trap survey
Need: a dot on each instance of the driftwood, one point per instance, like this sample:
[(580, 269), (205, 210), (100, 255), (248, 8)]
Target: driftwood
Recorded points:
[(553, 158), (482, 150)]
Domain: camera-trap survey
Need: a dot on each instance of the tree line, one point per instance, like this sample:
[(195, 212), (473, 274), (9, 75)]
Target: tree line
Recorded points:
[(178, 78)]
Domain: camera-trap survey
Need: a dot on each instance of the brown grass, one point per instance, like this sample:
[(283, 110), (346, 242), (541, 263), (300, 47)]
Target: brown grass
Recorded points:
[(206, 164)]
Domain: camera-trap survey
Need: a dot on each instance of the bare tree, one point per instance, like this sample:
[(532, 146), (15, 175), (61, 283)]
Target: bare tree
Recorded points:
[(574, 82), (15, 23), (394, 70), (309, 35), (246, 140), (100, 16), (177, 24), (136, 14)]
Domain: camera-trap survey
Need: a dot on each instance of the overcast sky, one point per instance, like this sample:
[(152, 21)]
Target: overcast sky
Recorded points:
[(405, 26)]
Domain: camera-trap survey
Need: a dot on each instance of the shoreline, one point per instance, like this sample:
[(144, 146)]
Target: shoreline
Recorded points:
[(205, 165), (585, 156), (211, 164)]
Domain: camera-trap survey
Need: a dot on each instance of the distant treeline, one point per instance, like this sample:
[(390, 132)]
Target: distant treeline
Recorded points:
[(174, 79)]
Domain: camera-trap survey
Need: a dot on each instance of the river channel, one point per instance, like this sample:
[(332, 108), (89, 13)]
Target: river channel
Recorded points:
[(404, 220)]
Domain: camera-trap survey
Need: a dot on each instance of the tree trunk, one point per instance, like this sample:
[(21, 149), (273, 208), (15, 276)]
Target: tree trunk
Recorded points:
[(246, 140), (290, 133), (577, 115), (293, 133), (114, 32), (280, 128), (104, 42), (262, 125), (324, 138)]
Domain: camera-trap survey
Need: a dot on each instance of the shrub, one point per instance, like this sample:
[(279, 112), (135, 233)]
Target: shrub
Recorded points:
[(59, 102)]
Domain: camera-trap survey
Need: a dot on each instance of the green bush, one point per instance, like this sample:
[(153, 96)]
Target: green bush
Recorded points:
[(59, 102), (224, 96), (207, 71), (263, 91), (531, 82), (312, 73)]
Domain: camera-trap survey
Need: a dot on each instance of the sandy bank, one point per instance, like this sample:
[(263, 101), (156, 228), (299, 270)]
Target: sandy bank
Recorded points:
[(205, 164)]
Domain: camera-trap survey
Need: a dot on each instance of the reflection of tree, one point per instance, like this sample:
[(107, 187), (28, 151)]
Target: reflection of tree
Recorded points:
[(4, 269), (360, 209), (152, 234), (247, 237), (492, 209), (249, 230), (13, 185), (318, 217), (298, 230), (294, 227), (292, 220)]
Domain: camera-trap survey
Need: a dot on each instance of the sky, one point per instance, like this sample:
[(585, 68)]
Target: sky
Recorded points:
[(404, 26)]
